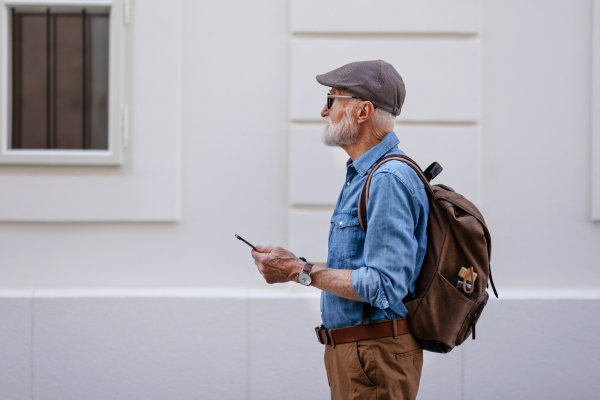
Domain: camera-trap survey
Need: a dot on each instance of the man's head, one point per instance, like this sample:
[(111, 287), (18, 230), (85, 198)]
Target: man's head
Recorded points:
[(373, 96), (349, 118)]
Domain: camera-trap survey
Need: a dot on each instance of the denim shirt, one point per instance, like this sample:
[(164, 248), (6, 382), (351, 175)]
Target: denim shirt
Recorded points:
[(387, 259)]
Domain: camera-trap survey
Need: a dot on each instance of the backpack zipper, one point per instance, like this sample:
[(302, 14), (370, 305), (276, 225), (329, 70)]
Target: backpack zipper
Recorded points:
[(474, 323), (476, 314)]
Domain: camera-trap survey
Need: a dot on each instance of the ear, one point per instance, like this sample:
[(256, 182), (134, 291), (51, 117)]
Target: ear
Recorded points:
[(365, 112)]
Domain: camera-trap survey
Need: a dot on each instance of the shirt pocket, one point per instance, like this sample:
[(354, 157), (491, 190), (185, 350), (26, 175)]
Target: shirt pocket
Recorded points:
[(344, 237)]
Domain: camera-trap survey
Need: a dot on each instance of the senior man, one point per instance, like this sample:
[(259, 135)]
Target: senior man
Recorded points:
[(370, 352)]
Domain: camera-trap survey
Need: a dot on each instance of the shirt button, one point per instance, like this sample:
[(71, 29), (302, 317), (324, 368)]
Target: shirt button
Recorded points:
[(347, 183), (341, 223)]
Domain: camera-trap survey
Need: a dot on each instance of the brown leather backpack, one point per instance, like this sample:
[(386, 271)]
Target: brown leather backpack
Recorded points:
[(440, 315)]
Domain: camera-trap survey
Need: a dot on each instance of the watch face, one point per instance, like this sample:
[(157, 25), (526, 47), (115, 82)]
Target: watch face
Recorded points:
[(304, 278)]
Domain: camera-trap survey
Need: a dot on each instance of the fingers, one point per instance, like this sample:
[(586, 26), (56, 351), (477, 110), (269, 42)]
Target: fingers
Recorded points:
[(260, 259), (261, 255), (270, 262), (264, 249)]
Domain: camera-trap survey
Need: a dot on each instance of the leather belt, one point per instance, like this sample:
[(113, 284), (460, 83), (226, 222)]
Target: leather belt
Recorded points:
[(390, 327)]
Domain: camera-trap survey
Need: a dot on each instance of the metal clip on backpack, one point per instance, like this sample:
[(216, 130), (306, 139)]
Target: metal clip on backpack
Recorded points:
[(440, 316)]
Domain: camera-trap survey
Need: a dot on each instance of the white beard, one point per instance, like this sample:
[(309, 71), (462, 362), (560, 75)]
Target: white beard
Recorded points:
[(344, 133)]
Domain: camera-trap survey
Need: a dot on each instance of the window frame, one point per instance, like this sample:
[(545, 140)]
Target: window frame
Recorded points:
[(118, 112)]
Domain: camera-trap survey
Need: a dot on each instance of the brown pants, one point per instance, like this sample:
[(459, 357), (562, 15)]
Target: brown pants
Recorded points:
[(377, 369)]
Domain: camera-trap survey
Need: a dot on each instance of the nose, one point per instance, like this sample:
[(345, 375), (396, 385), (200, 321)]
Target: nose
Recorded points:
[(324, 111)]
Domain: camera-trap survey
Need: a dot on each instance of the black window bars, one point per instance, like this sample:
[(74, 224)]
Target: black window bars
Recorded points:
[(23, 95)]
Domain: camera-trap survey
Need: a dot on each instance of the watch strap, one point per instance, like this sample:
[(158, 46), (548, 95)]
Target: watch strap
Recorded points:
[(307, 268)]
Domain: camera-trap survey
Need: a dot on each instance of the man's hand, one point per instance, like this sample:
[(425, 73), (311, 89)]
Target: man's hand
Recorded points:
[(277, 265)]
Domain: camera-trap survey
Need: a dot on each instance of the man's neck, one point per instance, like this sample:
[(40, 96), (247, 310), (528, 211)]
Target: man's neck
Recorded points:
[(366, 142)]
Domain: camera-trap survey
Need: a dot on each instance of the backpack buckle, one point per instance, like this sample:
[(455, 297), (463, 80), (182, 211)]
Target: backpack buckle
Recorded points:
[(432, 171)]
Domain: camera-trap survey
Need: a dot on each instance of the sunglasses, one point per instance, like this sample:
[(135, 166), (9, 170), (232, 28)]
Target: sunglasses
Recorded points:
[(331, 97)]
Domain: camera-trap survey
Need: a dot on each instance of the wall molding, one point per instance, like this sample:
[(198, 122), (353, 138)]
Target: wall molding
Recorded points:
[(248, 294)]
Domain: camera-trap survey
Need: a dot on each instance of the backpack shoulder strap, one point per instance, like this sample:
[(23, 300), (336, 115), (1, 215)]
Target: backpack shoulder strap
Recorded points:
[(363, 199)]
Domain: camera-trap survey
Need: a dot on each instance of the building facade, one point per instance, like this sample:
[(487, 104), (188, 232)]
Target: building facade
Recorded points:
[(121, 276)]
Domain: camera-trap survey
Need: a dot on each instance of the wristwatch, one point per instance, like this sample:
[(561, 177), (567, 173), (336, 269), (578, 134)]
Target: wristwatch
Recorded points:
[(304, 276)]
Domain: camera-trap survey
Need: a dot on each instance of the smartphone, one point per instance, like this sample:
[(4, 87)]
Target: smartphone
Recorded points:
[(243, 240)]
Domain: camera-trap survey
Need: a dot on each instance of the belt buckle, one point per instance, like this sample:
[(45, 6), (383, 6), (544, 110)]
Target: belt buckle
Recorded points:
[(322, 336)]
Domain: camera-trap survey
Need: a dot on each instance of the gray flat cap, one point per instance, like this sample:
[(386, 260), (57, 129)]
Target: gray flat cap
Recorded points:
[(374, 81)]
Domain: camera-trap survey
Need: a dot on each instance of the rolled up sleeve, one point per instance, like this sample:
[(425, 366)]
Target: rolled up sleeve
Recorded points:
[(390, 250)]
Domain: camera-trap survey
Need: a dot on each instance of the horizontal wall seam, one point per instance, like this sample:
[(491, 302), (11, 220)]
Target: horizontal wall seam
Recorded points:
[(243, 294), (312, 207), (166, 293), (398, 123), (385, 35)]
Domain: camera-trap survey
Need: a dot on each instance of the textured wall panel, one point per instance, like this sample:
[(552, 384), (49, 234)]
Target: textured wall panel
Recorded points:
[(596, 112), (15, 345), (286, 359), (535, 349), (133, 348), (441, 374), (442, 77), (319, 181), (309, 232), (533, 142), (457, 149), (456, 16), (156, 348), (317, 172)]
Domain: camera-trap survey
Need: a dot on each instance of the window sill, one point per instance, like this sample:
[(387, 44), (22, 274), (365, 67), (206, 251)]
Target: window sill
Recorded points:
[(60, 157)]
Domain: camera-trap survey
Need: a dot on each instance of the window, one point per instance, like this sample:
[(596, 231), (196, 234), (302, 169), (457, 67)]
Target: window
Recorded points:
[(146, 76), (61, 84)]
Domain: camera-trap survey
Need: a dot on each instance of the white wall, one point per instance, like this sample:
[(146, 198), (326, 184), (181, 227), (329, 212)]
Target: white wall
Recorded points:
[(536, 144), (499, 92), (242, 344), (232, 161)]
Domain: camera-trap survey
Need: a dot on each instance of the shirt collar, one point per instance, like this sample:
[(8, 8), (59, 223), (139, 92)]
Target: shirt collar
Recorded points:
[(365, 162)]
